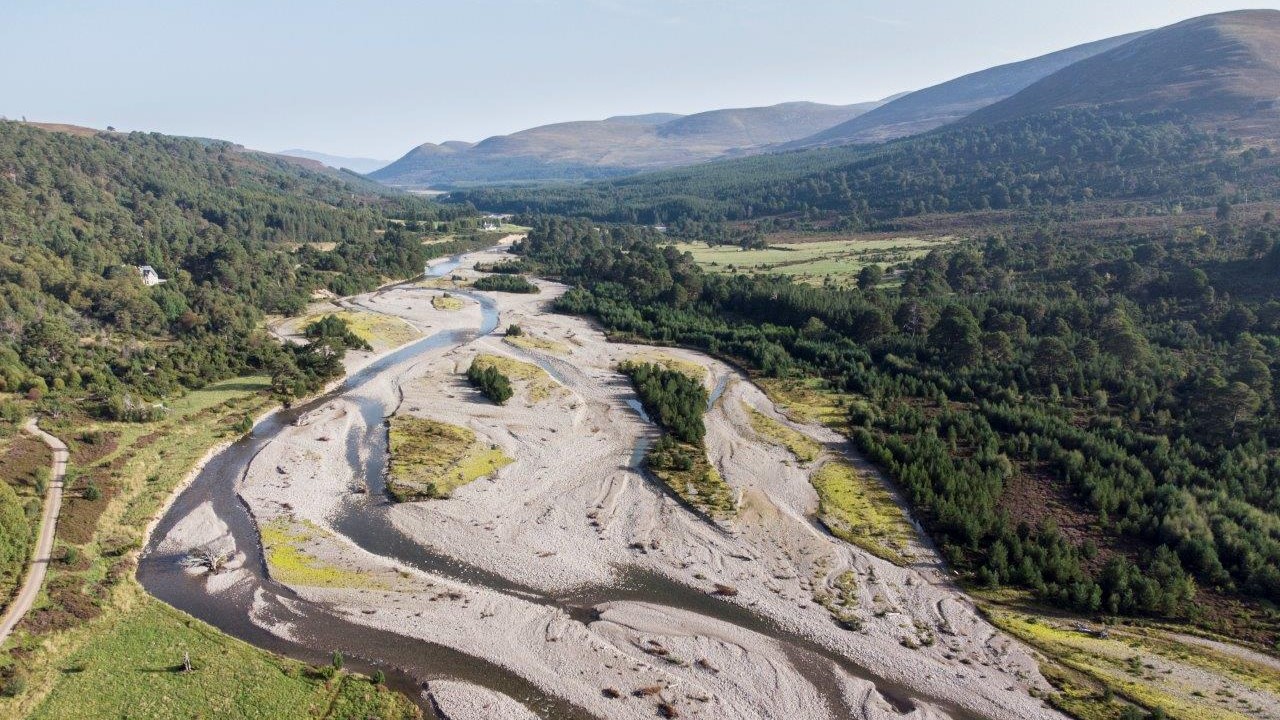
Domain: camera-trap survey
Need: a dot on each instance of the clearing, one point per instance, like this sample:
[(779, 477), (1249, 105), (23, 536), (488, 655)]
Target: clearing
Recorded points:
[(812, 262)]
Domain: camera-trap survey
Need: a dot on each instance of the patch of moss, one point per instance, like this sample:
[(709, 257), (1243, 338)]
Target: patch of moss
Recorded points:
[(861, 511), (431, 459), (688, 368), (446, 302), (803, 447), (380, 331), (1118, 663), (842, 601), (532, 342), (284, 544)]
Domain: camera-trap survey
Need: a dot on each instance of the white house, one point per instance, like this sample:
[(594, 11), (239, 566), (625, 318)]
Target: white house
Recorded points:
[(149, 275)]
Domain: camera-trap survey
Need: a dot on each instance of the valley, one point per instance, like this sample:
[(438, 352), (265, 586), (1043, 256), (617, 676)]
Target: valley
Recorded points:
[(959, 404)]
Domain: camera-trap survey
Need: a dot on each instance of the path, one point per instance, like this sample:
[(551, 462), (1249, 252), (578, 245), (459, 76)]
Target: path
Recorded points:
[(44, 544)]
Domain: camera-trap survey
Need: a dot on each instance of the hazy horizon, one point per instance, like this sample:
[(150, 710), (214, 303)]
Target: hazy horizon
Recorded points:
[(376, 81)]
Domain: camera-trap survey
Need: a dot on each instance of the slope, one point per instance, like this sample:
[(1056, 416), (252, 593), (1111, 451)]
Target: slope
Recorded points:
[(947, 102), (1221, 69)]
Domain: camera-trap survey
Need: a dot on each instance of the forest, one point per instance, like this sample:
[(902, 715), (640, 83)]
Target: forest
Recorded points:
[(1160, 161), (234, 233), (1126, 378)]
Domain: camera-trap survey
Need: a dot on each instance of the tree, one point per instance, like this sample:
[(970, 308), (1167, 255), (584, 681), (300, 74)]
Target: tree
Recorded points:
[(1223, 212), (956, 337), (870, 277)]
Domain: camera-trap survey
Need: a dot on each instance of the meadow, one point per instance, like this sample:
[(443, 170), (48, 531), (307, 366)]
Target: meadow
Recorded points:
[(810, 260)]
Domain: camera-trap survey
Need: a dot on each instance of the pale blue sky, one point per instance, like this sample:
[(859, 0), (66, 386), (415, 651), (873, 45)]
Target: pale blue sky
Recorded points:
[(376, 77)]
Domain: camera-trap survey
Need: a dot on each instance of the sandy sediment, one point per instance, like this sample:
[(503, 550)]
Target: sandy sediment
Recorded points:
[(454, 700), (574, 511)]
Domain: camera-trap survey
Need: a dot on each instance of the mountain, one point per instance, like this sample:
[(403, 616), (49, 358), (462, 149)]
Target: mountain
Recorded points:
[(358, 164), (942, 104), (1134, 123), (615, 146), (1217, 69)]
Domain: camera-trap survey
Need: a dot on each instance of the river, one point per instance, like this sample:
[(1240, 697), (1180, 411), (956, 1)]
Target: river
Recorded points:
[(408, 663)]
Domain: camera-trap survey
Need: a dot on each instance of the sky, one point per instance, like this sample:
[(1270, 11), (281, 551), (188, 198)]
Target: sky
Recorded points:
[(377, 77)]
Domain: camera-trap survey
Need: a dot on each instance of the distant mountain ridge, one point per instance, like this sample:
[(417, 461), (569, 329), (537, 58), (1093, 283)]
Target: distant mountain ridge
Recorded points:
[(613, 147), (1221, 69), (947, 102), (361, 165)]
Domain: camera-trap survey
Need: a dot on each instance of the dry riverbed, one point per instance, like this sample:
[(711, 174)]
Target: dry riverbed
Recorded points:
[(763, 614)]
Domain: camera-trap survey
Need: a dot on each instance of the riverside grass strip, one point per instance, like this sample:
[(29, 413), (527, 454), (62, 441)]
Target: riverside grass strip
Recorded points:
[(862, 512), (804, 448)]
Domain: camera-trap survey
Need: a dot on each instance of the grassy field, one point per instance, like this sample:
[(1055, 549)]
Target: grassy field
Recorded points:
[(804, 448), (700, 484), (133, 669), (806, 400), (431, 459), (815, 261), (688, 368), (382, 332), (536, 384)]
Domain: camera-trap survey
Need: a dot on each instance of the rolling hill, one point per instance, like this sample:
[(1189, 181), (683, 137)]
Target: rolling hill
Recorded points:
[(613, 147), (1216, 69), (947, 102)]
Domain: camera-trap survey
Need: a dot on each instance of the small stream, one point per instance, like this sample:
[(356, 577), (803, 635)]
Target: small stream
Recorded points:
[(364, 518)]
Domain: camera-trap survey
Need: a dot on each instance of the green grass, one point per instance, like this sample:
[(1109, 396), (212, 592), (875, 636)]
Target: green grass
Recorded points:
[(130, 670), (842, 601), (861, 511), (431, 459), (537, 384), (688, 368), (804, 448), (840, 259), (806, 400)]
